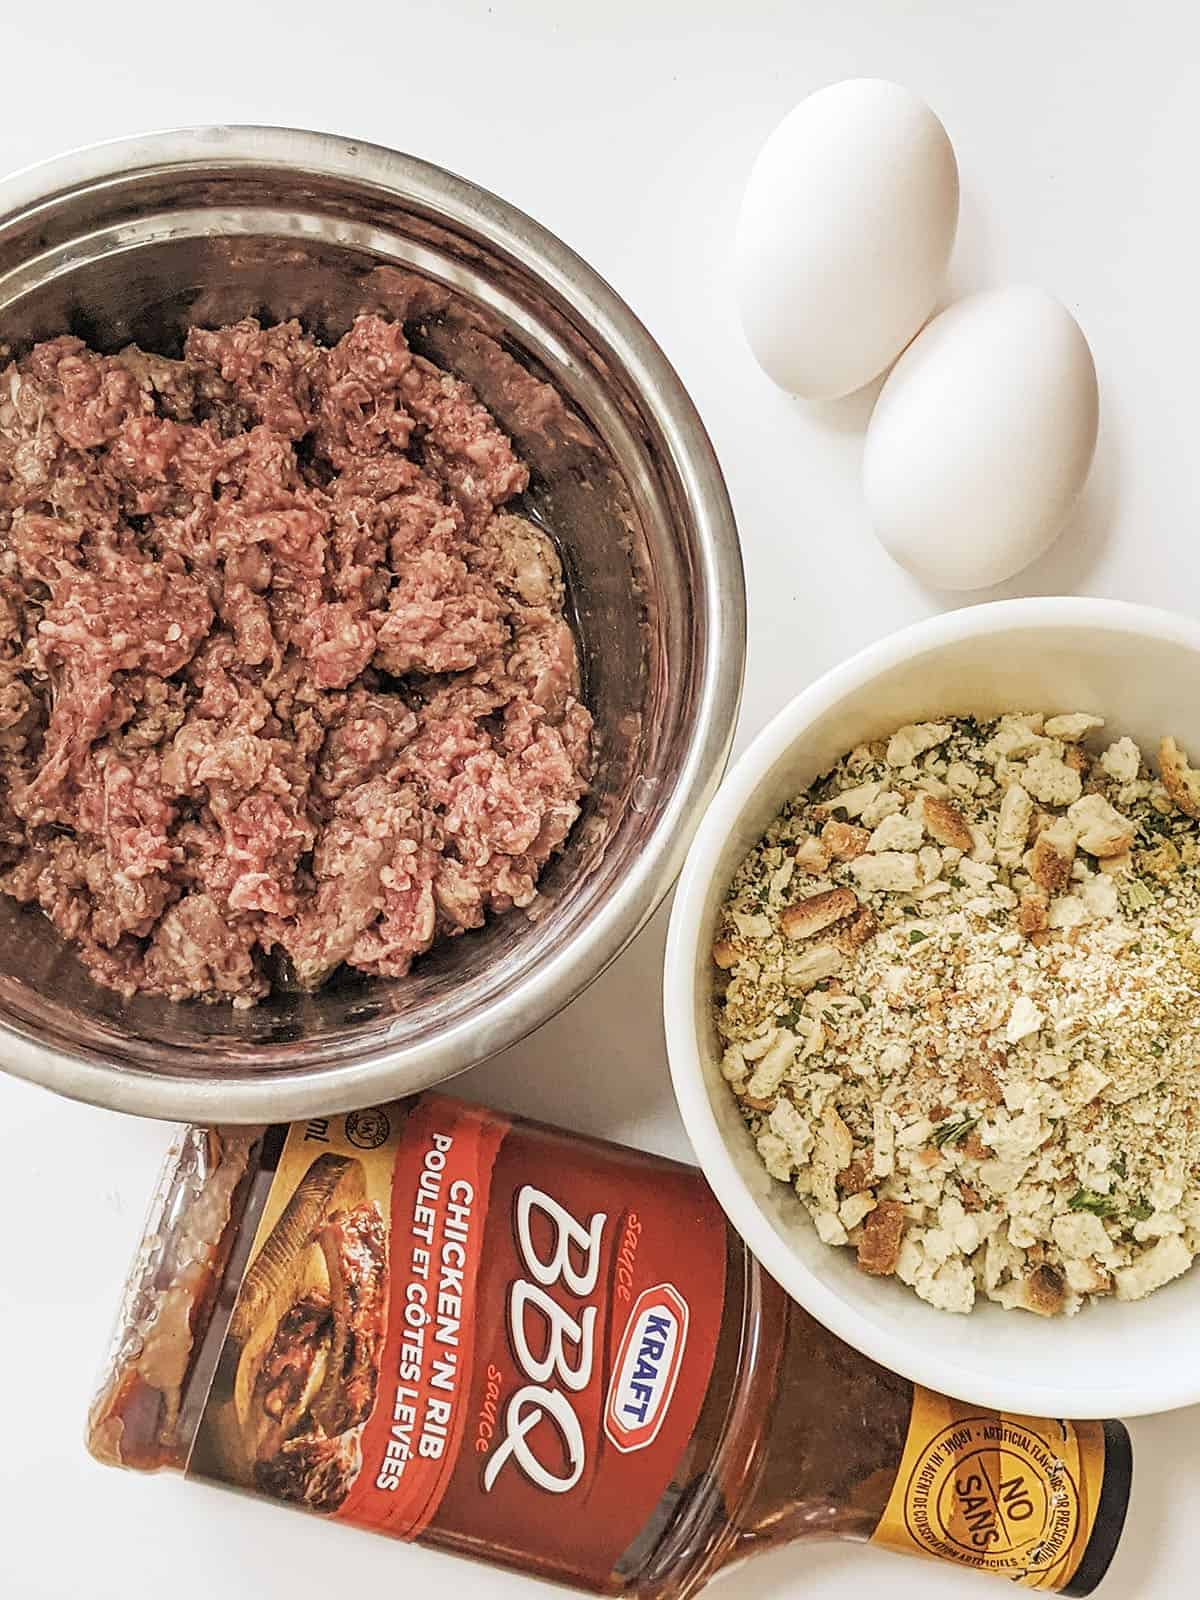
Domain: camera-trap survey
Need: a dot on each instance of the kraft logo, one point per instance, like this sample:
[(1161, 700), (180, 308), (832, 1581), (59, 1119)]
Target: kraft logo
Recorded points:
[(646, 1368)]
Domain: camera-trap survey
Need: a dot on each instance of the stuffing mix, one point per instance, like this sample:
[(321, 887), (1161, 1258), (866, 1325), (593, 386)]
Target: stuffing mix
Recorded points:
[(278, 670), (959, 993)]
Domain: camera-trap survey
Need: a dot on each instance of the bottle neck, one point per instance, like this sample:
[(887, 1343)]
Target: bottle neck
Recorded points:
[(835, 1431), (848, 1450), (803, 1441)]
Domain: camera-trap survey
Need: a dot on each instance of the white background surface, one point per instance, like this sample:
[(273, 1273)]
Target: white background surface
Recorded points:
[(628, 128)]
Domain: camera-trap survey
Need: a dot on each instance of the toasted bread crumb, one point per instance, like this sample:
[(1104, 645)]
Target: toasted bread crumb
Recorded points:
[(1053, 856), (844, 841), (1045, 1291), (879, 1246), (1034, 911), (810, 855), (854, 1179), (946, 824), (1181, 781), (817, 912)]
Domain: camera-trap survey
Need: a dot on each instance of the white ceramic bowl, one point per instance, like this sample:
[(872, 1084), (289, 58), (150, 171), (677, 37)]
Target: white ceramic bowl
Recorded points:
[(1140, 669)]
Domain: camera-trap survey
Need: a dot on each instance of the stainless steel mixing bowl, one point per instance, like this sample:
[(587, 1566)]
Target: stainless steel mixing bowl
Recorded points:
[(137, 240)]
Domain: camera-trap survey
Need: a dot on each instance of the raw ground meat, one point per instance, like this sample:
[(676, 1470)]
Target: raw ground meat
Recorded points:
[(277, 672)]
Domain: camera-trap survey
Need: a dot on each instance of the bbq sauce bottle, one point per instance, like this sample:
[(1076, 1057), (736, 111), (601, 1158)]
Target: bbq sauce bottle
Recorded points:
[(512, 1343)]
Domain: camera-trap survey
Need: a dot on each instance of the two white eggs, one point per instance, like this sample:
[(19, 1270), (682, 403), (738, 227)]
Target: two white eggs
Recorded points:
[(984, 430)]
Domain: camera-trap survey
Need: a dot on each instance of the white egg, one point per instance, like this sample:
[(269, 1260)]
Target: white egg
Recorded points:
[(981, 438), (845, 232)]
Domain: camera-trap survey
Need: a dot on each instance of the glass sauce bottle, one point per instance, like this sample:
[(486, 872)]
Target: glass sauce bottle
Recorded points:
[(550, 1353)]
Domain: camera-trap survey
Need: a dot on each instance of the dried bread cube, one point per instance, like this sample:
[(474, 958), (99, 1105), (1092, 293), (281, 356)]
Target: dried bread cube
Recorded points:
[(913, 740), (1074, 726), (1099, 827), (894, 870), (1166, 1260), (1181, 781), (811, 854), (819, 911), (1053, 855), (946, 823), (897, 832), (1048, 778), (1012, 825), (1122, 761), (879, 1244), (843, 840)]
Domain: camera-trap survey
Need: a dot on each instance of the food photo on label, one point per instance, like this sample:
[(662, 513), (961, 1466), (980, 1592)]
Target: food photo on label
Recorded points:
[(437, 1322)]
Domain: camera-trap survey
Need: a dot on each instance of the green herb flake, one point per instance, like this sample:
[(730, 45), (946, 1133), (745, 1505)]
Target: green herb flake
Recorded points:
[(1138, 897), (915, 936), (953, 1130), (1100, 1205), (1154, 822), (1140, 1211)]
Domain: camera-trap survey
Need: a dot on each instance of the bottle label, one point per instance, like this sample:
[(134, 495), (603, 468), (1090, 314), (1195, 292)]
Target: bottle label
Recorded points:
[(490, 1337), (1007, 1494)]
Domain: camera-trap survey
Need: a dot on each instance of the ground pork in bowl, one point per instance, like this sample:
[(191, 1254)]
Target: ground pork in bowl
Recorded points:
[(374, 624), (287, 687)]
